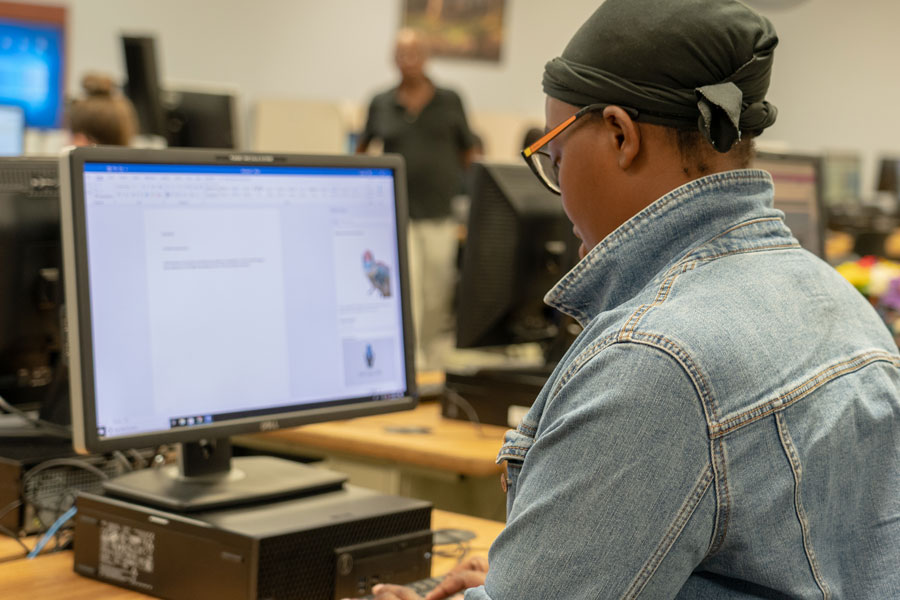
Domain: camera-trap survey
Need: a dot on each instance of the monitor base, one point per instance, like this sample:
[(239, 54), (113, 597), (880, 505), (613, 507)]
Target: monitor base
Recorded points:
[(250, 479)]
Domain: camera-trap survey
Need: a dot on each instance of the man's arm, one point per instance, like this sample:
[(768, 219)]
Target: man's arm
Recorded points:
[(615, 495), (368, 132)]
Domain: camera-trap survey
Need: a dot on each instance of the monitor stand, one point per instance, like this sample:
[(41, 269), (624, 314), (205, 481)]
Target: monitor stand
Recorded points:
[(206, 477)]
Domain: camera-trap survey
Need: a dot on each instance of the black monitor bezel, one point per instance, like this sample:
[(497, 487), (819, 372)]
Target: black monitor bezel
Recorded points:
[(85, 437), (484, 178), (816, 161), (145, 91)]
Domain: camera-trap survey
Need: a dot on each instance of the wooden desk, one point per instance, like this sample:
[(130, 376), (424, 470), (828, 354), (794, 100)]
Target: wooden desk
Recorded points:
[(51, 575), (414, 453), (11, 550)]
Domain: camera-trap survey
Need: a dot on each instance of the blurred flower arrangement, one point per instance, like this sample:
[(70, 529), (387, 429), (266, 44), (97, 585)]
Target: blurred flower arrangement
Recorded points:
[(878, 279)]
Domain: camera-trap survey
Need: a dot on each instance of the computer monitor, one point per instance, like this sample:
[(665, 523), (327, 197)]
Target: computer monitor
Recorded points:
[(30, 285), (519, 244), (12, 130), (202, 119), (889, 176), (210, 294), (798, 193), (143, 84), (32, 61), (841, 180)]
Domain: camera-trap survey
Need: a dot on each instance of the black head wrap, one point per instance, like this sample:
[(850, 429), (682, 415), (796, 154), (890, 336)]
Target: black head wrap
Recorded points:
[(687, 64)]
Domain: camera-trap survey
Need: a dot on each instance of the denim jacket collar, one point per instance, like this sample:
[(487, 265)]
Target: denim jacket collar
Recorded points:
[(626, 260)]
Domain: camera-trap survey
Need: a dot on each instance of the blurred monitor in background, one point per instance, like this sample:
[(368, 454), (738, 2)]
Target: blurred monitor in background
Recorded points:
[(143, 84), (201, 119), (103, 115), (195, 118), (888, 181), (12, 130), (30, 285), (798, 193), (841, 179), (32, 61)]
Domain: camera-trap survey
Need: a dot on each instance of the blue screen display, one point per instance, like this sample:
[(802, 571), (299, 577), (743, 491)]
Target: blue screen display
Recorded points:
[(31, 66)]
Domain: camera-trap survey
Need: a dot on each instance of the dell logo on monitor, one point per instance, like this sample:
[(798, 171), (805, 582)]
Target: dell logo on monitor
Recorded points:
[(267, 158), (270, 425)]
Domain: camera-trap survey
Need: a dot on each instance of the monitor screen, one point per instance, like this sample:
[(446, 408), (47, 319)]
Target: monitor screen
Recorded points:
[(32, 61), (519, 244), (12, 130), (841, 179), (798, 193), (220, 294)]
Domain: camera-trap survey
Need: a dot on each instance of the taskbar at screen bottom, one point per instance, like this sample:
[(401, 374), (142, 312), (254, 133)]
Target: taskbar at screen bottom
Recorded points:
[(182, 422)]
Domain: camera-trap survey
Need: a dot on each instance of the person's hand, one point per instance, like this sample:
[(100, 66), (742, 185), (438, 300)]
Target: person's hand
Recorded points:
[(389, 591), (465, 575)]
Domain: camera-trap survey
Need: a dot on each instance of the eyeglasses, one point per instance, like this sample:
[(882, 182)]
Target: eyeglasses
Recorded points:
[(540, 161)]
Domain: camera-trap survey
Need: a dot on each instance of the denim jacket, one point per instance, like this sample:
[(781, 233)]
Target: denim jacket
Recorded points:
[(726, 425)]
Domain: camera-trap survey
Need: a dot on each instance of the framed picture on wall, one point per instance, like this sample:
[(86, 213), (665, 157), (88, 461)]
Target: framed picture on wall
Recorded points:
[(458, 28)]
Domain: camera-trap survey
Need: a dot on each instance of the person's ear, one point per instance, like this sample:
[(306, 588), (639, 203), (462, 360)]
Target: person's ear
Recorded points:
[(626, 133)]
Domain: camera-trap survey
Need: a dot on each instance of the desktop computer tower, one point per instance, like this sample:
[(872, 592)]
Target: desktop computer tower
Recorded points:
[(493, 396), (320, 547)]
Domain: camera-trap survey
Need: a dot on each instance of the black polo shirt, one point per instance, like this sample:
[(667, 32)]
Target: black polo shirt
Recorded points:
[(432, 144)]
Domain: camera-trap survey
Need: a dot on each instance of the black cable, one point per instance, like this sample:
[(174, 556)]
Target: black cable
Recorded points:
[(467, 408), (39, 424), (40, 507), (123, 460), (9, 508), (49, 464), (139, 461), (63, 462), (9, 532), (5, 531)]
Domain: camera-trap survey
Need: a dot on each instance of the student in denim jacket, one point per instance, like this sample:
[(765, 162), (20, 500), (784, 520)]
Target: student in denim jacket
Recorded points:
[(726, 426)]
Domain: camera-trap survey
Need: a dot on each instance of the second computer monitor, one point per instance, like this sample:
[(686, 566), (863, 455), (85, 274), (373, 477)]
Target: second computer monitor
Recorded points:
[(30, 288), (519, 244), (798, 193), (203, 119)]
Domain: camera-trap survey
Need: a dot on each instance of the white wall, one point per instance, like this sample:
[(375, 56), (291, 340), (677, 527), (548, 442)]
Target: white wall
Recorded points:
[(835, 80)]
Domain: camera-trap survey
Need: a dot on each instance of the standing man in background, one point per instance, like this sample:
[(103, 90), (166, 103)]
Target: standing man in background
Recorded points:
[(427, 125)]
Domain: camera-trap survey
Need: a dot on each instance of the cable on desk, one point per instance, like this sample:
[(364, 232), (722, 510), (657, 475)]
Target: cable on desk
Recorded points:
[(460, 538), (9, 532), (52, 531), (123, 460), (46, 427), (454, 397), (139, 461), (10, 507)]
